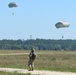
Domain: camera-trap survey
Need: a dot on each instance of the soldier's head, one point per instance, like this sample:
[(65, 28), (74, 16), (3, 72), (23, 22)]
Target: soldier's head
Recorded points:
[(32, 50)]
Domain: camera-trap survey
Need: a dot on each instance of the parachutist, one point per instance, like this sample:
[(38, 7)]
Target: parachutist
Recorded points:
[(62, 36), (12, 5), (12, 13), (62, 24)]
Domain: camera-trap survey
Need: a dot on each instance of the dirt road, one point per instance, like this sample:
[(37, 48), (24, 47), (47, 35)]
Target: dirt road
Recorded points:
[(36, 72)]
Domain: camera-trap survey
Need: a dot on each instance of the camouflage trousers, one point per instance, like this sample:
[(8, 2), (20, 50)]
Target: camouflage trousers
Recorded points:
[(31, 65)]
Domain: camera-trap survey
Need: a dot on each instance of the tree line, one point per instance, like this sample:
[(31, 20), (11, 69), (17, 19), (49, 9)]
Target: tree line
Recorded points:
[(39, 44)]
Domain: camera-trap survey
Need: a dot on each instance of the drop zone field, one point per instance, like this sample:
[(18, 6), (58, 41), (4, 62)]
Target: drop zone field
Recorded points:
[(46, 60), (7, 73)]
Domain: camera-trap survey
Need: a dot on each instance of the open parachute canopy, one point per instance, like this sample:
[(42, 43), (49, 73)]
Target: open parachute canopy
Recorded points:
[(12, 4), (62, 24)]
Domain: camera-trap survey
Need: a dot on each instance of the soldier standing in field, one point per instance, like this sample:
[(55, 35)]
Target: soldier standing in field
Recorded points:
[(32, 57)]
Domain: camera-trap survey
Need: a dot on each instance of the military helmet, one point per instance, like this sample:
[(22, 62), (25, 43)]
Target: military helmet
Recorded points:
[(33, 50)]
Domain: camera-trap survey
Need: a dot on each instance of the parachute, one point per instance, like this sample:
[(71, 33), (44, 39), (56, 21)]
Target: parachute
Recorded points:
[(62, 24), (12, 5)]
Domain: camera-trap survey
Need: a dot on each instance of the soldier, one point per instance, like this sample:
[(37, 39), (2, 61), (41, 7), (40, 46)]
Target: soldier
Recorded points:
[(32, 57)]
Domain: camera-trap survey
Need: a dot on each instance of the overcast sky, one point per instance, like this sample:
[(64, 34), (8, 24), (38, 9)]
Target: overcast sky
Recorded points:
[(37, 19)]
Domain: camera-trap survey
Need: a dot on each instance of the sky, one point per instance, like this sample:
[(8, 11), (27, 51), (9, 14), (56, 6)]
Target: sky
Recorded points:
[(34, 19)]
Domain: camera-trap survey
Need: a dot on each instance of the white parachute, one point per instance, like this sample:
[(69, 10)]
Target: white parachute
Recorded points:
[(62, 24)]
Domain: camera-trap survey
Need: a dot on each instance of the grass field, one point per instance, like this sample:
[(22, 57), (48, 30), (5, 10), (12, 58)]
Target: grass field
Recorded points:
[(46, 60), (7, 73)]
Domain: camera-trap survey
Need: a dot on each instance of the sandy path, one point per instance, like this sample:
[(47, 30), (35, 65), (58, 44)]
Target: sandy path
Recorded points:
[(36, 72)]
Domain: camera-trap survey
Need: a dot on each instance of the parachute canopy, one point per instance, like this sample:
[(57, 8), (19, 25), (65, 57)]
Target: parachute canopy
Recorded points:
[(12, 4), (62, 24)]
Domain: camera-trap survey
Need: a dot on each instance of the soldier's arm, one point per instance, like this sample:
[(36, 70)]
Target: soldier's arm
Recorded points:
[(36, 55), (30, 55)]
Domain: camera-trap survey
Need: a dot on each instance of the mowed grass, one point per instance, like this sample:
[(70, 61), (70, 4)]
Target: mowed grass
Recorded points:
[(46, 60)]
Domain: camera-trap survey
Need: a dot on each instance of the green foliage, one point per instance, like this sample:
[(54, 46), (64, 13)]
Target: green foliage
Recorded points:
[(39, 44)]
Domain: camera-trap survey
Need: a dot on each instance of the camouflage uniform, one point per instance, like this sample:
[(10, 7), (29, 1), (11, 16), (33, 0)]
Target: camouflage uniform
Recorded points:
[(32, 57)]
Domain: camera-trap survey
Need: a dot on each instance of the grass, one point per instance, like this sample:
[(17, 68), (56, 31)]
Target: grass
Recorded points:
[(7, 73), (46, 60)]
